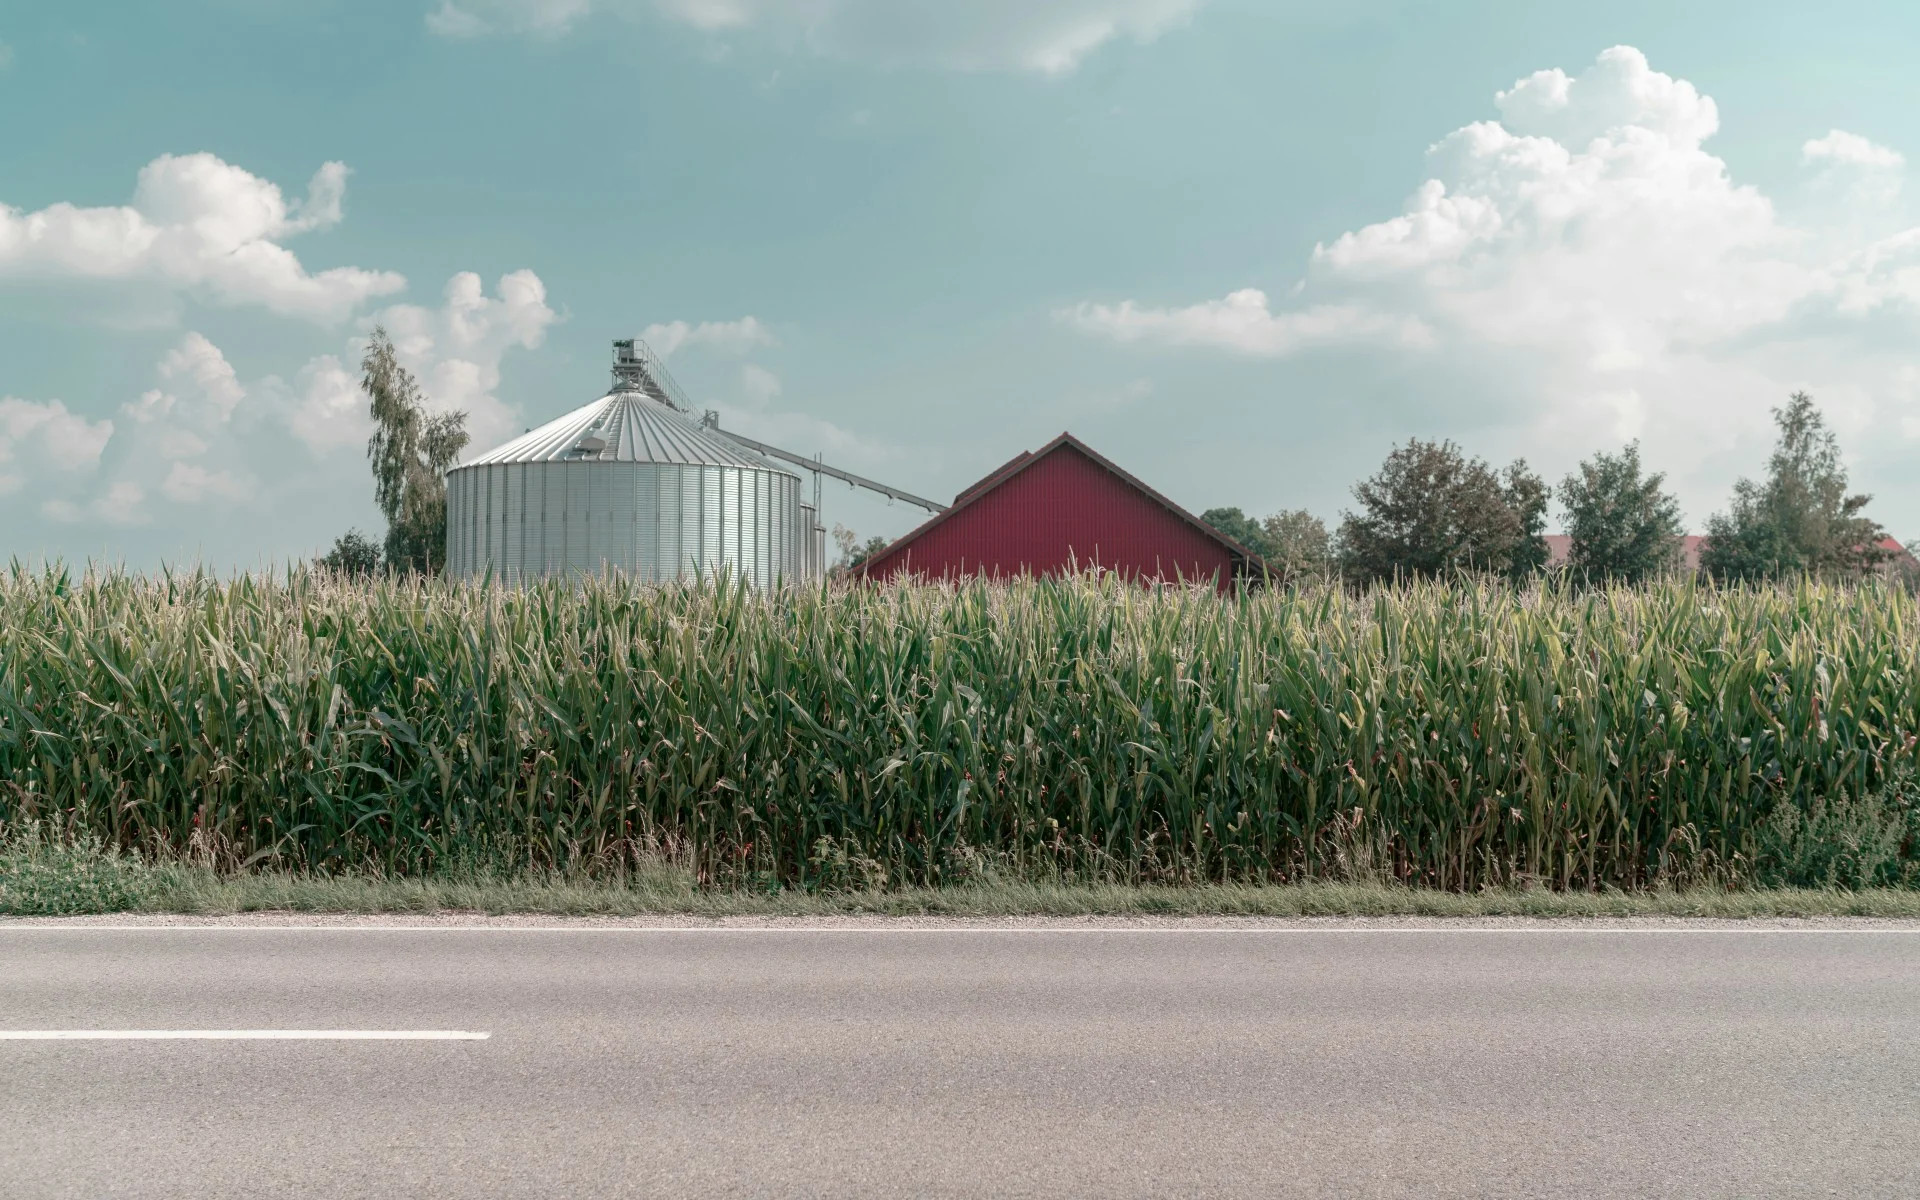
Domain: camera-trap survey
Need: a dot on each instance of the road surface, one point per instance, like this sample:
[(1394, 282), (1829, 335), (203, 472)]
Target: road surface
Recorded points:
[(1263, 1060)]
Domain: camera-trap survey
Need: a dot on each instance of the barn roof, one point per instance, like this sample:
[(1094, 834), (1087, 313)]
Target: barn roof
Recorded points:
[(1024, 461)]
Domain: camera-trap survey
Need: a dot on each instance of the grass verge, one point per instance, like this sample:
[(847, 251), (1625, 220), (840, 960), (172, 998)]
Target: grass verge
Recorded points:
[(50, 878)]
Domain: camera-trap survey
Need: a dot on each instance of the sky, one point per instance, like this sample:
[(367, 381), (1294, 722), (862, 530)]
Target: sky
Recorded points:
[(1241, 247)]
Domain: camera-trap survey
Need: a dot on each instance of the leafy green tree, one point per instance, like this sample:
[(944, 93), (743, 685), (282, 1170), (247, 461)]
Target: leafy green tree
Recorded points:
[(1526, 496), (1623, 524), (354, 555), (1431, 511), (1239, 526), (411, 451), (1800, 519), (1291, 543), (1297, 543)]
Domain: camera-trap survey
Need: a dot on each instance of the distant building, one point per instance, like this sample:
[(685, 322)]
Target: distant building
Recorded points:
[(1060, 507)]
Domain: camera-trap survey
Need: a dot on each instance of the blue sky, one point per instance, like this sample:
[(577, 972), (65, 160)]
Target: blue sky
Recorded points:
[(1241, 247)]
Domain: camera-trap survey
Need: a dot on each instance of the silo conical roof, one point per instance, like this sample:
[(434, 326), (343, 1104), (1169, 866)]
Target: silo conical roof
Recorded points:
[(625, 426)]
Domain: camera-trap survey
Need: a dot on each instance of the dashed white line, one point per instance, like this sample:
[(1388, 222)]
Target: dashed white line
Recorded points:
[(241, 1035)]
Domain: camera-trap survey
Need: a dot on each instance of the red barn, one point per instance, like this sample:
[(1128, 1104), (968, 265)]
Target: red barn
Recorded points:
[(1060, 506)]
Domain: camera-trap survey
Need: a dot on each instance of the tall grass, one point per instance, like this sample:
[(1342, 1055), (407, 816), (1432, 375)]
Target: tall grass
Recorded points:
[(1455, 736)]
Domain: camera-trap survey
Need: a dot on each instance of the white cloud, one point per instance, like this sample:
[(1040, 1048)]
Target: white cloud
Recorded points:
[(455, 350), (728, 337), (761, 385), (197, 369), (47, 435), (1864, 176), (197, 224), (1244, 322), (1584, 270), (328, 410), (1851, 149), (1051, 37), (189, 483)]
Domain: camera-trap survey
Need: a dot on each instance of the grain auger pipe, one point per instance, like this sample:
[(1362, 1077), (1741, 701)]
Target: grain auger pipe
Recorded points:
[(712, 421)]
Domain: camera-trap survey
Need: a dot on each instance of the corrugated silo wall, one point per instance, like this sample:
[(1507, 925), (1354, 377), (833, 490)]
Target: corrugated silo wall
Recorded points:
[(652, 521)]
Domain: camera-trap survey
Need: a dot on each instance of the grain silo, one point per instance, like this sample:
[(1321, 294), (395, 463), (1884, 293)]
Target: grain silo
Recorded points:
[(631, 483), (636, 483)]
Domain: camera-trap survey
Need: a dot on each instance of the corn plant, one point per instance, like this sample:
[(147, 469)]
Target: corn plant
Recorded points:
[(1457, 735)]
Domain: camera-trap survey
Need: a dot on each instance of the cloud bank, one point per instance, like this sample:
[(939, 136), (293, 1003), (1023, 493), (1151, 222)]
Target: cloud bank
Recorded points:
[(198, 224), (1595, 274)]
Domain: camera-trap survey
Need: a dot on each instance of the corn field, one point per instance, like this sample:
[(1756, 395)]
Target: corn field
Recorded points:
[(1456, 736)]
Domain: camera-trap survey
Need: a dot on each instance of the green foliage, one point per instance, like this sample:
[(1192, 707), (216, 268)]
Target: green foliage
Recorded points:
[(853, 551), (1844, 842), (1293, 544), (1624, 526), (354, 554), (1800, 520), (1432, 511), (1297, 544), (1239, 526), (411, 451), (1451, 736), (47, 876)]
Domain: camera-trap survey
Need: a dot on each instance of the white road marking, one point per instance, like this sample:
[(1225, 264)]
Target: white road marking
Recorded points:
[(241, 1035), (1545, 926)]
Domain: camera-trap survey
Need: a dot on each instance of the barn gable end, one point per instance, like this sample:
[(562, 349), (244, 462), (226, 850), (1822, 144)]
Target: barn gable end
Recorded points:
[(1063, 506)]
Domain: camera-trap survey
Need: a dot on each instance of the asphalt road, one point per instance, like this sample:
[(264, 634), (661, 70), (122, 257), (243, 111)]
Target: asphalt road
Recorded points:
[(1336, 1061)]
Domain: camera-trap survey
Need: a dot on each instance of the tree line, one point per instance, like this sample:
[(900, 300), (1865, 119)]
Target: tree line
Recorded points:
[(1431, 510)]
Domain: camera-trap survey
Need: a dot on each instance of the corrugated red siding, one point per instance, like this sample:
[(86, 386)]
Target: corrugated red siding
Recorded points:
[(1064, 508)]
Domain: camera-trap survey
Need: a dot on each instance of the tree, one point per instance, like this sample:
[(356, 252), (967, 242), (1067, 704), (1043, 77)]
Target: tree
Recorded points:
[(1800, 519), (1291, 543), (353, 555), (411, 451), (1623, 525), (1297, 543), (1238, 526), (1431, 511), (853, 551)]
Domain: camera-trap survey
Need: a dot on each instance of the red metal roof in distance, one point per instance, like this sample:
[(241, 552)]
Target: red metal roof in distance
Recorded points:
[(1059, 507)]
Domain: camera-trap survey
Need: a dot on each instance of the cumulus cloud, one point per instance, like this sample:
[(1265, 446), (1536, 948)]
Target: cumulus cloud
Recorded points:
[(728, 337), (455, 350), (197, 370), (1051, 37), (45, 437), (1850, 149), (326, 409), (189, 450), (1584, 269), (201, 225)]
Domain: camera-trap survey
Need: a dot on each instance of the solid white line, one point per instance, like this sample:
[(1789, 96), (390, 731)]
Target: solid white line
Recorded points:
[(1547, 926), (241, 1035)]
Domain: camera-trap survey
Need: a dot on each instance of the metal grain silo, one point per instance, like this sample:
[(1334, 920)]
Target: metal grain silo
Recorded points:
[(632, 483)]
